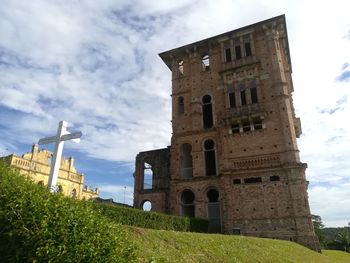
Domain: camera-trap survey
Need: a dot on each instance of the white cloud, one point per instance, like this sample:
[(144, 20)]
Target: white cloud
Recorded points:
[(332, 202), (95, 64)]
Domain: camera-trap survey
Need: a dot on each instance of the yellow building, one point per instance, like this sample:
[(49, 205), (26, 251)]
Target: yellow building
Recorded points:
[(36, 166)]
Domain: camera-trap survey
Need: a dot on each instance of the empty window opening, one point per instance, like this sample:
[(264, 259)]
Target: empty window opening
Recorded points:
[(213, 196), (232, 98), (181, 67), (207, 110), (205, 62), (228, 57), (247, 47), (181, 105), (187, 200), (243, 98), (147, 176), (209, 153), (235, 128), (186, 161), (236, 181), (254, 95), (147, 206), (252, 180), (246, 125), (257, 122), (74, 193), (238, 51), (187, 197), (274, 178)]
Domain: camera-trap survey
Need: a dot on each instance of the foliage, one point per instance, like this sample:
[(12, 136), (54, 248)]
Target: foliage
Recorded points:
[(318, 227), (170, 246), (332, 237), (37, 226), (342, 240), (139, 218)]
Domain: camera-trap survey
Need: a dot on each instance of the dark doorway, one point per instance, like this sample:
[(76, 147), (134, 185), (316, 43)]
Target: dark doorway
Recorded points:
[(214, 212)]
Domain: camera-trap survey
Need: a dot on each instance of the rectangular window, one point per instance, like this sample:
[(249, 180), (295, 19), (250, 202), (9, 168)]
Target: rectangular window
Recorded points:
[(247, 48), (246, 125), (236, 181), (243, 98), (210, 164), (228, 55), (274, 178), (232, 99), (238, 52), (252, 180), (257, 122), (254, 95), (235, 128)]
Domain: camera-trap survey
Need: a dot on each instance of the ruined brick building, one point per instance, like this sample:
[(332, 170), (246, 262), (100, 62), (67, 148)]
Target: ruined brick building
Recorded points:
[(233, 157)]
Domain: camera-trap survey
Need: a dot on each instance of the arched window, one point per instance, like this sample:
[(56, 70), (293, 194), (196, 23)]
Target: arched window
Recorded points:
[(180, 66), (74, 193), (186, 161), (207, 110), (205, 62), (209, 155), (213, 196), (214, 213), (180, 105), (187, 203), (147, 176), (147, 205)]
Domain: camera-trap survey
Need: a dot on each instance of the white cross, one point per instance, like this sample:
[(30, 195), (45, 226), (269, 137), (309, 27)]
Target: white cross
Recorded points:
[(62, 135)]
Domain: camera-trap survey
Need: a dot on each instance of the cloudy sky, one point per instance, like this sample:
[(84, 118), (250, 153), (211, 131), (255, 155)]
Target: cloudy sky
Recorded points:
[(95, 64)]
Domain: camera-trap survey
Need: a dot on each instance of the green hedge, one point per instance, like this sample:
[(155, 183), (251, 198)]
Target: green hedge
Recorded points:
[(139, 218), (37, 226)]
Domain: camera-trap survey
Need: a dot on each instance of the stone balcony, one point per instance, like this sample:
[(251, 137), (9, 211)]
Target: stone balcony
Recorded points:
[(246, 111)]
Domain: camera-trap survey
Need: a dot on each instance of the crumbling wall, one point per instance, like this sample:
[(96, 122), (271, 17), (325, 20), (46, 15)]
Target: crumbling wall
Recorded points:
[(152, 179)]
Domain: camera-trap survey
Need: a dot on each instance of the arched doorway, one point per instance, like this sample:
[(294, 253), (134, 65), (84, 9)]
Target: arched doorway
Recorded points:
[(187, 203), (214, 211)]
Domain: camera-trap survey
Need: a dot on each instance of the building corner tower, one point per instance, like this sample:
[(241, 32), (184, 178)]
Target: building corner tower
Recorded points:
[(233, 158)]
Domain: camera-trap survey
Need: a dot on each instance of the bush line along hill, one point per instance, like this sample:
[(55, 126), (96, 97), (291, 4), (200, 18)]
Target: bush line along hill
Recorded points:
[(37, 226), (139, 218)]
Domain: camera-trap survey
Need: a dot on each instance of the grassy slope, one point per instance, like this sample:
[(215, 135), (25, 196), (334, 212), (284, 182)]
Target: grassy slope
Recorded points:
[(171, 246)]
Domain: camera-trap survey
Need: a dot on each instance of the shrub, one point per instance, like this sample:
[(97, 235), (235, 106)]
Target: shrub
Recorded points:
[(37, 226), (139, 218)]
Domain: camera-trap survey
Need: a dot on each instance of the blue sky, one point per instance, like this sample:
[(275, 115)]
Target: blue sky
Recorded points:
[(95, 64)]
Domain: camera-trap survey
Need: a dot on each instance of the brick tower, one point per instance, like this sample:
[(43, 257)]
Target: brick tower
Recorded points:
[(233, 157)]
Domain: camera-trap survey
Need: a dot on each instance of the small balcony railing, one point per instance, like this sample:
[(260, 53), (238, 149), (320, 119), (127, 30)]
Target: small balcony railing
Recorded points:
[(243, 111)]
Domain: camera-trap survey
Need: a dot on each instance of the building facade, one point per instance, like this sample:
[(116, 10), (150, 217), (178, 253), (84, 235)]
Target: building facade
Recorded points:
[(36, 166), (233, 157)]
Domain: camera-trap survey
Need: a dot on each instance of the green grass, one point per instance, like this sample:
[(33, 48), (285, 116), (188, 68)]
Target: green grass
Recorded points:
[(337, 256), (171, 246), (37, 226)]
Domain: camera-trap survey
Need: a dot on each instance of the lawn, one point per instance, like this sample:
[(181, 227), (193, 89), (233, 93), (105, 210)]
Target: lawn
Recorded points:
[(172, 246)]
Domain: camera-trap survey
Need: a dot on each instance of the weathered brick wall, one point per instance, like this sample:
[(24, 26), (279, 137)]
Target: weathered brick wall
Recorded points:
[(269, 207)]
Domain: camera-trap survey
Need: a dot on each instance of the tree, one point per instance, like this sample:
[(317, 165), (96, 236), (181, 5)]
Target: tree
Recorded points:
[(343, 239), (318, 227)]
